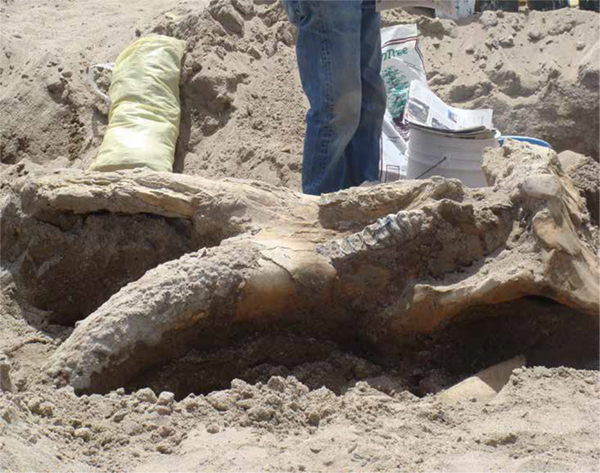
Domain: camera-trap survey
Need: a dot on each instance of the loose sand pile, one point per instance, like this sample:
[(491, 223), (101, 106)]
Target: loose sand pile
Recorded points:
[(544, 420), (242, 116), (243, 107)]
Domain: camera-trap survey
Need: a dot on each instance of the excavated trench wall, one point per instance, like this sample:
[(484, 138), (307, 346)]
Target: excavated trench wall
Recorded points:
[(243, 108), (546, 333)]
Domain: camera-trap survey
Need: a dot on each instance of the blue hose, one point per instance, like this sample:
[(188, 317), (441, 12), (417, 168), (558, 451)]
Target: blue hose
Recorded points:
[(526, 139)]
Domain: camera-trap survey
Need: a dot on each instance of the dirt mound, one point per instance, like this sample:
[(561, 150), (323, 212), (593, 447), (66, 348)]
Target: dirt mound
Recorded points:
[(50, 114), (284, 426), (242, 104), (539, 72)]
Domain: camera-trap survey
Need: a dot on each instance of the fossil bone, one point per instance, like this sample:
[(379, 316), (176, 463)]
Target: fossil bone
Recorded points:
[(392, 260)]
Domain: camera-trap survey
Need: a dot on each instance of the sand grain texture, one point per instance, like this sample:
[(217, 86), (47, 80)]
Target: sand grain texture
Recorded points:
[(307, 403)]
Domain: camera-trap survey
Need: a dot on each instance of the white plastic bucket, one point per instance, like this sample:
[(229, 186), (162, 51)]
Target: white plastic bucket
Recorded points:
[(430, 154)]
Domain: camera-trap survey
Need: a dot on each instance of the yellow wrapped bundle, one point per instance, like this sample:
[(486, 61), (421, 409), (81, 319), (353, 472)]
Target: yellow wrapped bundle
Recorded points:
[(143, 122)]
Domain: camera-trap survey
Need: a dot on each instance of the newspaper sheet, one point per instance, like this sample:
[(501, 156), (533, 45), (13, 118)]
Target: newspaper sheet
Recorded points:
[(426, 109), (393, 161)]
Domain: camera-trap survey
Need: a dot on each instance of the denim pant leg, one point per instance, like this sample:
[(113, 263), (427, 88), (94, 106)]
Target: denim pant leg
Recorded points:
[(328, 51), (363, 153)]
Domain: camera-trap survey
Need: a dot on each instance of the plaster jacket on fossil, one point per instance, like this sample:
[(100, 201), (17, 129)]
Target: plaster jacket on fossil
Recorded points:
[(390, 261)]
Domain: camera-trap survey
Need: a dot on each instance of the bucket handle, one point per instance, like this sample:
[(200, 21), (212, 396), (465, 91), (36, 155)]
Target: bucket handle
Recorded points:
[(92, 80), (432, 167)]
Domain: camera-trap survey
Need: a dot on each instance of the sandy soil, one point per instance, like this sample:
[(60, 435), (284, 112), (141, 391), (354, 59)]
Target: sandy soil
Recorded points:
[(243, 112)]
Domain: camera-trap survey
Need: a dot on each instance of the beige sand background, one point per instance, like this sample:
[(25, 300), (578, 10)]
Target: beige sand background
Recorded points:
[(242, 116)]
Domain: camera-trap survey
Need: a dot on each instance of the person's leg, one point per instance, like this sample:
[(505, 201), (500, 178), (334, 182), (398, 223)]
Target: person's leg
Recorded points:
[(328, 51), (363, 151)]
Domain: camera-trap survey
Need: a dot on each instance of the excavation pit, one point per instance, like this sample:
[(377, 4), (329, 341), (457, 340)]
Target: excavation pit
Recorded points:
[(391, 265), (243, 116), (546, 333)]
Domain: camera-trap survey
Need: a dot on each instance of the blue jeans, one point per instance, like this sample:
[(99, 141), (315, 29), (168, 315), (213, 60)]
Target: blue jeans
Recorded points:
[(339, 58)]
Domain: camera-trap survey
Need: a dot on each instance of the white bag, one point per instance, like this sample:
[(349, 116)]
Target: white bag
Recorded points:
[(402, 63), (448, 8)]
